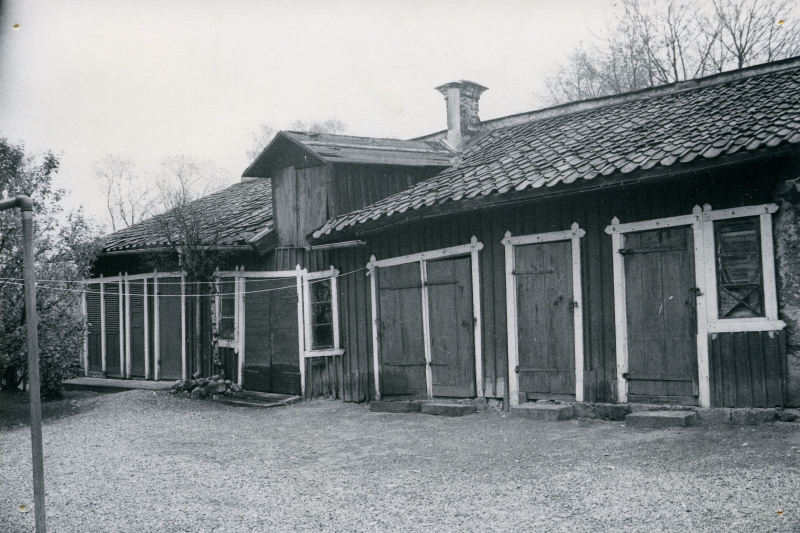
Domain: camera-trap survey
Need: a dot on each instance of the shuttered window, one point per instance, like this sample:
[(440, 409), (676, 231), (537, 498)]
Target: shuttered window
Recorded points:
[(740, 282)]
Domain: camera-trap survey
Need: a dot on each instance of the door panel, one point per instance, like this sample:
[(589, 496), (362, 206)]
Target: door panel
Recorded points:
[(137, 327), (94, 324), (662, 346), (112, 330), (545, 322), (402, 344), (449, 283), (169, 312)]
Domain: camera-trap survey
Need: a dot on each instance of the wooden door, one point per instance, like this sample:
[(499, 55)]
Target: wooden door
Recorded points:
[(113, 367), (545, 322), (170, 330), (452, 335), (662, 321), (95, 354), (272, 358), (137, 327), (402, 344)]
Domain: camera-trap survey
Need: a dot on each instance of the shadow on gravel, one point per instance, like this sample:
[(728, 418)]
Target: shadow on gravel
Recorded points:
[(15, 409)]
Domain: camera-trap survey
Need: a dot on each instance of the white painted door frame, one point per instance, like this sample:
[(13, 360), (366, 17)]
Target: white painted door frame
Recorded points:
[(702, 223), (573, 235), (422, 258)]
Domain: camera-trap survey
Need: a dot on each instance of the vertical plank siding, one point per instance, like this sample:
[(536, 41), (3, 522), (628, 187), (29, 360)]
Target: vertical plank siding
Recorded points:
[(748, 369)]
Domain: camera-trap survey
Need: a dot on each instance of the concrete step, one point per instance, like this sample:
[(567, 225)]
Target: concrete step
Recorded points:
[(544, 411), (447, 409), (258, 400), (661, 419), (396, 406), (114, 385)]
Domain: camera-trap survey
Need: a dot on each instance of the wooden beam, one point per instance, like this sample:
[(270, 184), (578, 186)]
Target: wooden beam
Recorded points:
[(511, 323), (645, 225), (239, 287), (373, 285), (157, 331), (120, 296), (620, 314), (258, 274), (577, 311), (463, 249), (300, 274), (337, 343), (701, 297), (768, 267), (426, 326), (85, 312), (476, 313), (184, 362), (146, 310), (103, 334), (127, 327)]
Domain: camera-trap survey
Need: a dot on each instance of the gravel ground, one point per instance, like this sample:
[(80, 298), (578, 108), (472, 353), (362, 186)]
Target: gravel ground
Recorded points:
[(145, 461)]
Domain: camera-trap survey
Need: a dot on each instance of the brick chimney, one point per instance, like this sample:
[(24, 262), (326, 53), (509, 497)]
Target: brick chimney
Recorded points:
[(462, 110)]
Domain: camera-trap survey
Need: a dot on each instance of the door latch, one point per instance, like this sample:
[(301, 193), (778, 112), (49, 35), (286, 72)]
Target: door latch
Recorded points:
[(696, 291), (572, 305)]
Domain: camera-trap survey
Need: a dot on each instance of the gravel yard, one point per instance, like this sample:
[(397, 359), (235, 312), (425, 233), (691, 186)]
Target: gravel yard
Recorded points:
[(147, 461)]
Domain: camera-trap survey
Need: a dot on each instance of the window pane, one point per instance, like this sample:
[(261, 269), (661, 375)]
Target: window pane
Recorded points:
[(321, 315), (739, 281), (226, 328), (323, 337)]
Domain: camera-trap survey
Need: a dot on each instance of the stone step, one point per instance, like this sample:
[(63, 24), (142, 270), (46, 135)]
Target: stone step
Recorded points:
[(447, 409), (251, 402), (397, 406), (113, 385), (661, 419), (544, 411), (285, 399)]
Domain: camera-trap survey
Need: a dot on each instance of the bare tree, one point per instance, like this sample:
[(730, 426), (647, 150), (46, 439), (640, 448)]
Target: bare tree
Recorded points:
[(128, 194), (657, 42), (261, 138)]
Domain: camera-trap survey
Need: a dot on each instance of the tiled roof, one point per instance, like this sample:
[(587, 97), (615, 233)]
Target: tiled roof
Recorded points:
[(228, 217), (746, 110), (329, 148)]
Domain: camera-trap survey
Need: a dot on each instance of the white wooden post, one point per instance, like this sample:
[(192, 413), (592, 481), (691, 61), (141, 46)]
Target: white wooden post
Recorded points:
[(146, 305), (701, 297), (239, 287), (426, 326), (127, 327), (768, 267), (511, 323), (85, 311), (620, 313), (103, 334), (335, 311), (307, 314), (476, 314), (121, 315), (373, 285), (577, 298), (301, 329), (184, 362), (156, 329)]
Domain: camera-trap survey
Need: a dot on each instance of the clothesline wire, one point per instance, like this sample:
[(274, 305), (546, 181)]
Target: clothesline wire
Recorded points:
[(89, 291)]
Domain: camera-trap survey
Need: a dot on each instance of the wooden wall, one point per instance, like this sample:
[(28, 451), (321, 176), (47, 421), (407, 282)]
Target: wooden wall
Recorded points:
[(358, 185), (593, 211)]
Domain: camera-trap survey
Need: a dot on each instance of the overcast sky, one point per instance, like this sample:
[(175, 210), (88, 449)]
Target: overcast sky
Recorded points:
[(148, 79)]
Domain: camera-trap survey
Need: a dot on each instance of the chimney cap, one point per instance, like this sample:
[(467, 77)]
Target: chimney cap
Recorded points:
[(462, 84)]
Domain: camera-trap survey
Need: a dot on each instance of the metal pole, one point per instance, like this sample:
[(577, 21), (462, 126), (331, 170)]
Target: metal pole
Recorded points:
[(26, 207)]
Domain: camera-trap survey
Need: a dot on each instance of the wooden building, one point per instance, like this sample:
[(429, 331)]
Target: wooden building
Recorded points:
[(643, 247)]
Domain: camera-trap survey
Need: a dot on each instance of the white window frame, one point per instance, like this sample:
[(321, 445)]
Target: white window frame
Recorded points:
[(573, 235), (308, 278), (708, 322), (422, 258)]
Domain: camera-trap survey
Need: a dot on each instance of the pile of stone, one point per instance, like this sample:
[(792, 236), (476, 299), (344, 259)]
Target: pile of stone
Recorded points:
[(205, 388)]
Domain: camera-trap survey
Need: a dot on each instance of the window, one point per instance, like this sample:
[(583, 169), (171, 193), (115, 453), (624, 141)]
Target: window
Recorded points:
[(321, 314), (740, 281), (227, 310)]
